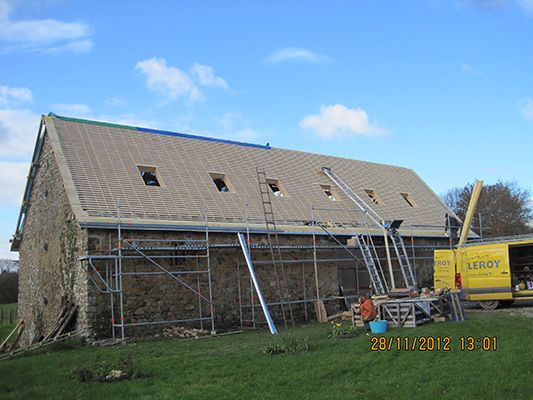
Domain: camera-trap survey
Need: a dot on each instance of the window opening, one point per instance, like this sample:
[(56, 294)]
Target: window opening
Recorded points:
[(150, 175), (327, 190), (274, 185), (409, 199), (221, 182), (373, 196)]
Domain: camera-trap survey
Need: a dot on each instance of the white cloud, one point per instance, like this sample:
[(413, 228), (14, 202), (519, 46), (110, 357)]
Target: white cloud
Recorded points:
[(4, 249), (47, 35), (10, 95), (172, 82), (115, 101), (18, 130), (230, 121), (234, 126), (206, 76), (85, 112), (5, 9), (246, 134), (527, 5), (489, 4), (169, 82), (76, 46), (127, 119), (12, 181), (337, 121), (526, 108), (72, 110), (294, 53), (471, 70)]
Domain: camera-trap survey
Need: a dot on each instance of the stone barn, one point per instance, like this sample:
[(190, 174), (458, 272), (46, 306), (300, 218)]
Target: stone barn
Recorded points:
[(139, 229)]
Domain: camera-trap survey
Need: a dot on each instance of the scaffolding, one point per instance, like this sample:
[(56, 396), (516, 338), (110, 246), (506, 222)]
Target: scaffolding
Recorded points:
[(250, 309), (307, 264), (108, 279), (108, 271)]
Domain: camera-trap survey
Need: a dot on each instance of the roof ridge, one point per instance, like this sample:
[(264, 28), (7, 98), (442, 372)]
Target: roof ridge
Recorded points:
[(159, 132)]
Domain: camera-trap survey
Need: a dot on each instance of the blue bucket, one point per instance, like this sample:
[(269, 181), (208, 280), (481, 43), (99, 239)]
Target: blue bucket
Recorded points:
[(378, 326)]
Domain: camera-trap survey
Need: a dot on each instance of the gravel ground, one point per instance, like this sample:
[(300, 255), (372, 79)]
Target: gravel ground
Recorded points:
[(518, 308)]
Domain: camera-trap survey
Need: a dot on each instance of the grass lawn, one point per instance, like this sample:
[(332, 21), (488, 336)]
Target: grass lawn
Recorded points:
[(5, 326), (234, 367)]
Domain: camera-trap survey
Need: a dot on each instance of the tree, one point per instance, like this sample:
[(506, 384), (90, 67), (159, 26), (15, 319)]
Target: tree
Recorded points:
[(505, 208), (9, 287)]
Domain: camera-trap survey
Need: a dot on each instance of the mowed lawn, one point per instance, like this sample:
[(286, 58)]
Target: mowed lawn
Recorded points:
[(235, 367)]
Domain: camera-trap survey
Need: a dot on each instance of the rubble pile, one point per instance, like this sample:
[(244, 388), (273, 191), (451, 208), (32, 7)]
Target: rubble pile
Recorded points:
[(183, 333)]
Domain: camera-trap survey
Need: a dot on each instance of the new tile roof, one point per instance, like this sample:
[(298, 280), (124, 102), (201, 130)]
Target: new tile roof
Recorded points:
[(101, 162)]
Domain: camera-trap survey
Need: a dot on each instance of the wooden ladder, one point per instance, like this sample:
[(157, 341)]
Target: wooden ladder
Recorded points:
[(277, 259)]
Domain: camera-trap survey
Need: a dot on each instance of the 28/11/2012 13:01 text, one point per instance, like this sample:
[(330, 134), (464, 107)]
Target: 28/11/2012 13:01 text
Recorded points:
[(433, 343)]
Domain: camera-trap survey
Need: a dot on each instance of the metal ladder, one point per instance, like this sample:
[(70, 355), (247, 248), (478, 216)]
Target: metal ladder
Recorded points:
[(375, 279), (393, 233), (358, 201), (377, 283), (277, 260), (403, 259)]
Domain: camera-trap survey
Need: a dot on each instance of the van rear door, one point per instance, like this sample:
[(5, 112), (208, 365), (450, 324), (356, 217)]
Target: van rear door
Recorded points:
[(485, 272), (444, 269)]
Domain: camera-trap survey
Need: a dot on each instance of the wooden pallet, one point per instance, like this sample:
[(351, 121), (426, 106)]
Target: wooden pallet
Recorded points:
[(356, 316), (410, 313)]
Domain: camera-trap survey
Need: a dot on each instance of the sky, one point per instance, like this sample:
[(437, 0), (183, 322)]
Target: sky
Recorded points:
[(444, 87)]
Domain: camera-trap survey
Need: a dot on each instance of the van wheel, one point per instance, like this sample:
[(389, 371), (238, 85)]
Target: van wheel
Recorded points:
[(489, 304)]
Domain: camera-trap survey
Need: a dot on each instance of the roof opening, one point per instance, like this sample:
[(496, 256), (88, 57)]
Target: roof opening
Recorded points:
[(373, 196), (221, 182), (409, 199), (327, 190), (150, 175), (275, 186)]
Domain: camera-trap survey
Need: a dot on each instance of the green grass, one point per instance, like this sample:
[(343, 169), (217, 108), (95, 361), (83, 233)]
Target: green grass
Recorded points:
[(5, 311), (234, 367), (5, 326)]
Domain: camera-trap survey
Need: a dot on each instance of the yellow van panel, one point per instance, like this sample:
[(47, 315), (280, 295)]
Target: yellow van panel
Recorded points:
[(444, 269), (485, 271)]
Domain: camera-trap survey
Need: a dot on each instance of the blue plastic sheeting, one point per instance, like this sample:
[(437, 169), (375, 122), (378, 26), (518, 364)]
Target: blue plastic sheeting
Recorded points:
[(206, 138)]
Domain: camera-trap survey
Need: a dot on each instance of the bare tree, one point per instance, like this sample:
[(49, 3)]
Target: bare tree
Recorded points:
[(505, 208)]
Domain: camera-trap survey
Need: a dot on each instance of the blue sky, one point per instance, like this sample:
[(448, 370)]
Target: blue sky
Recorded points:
[(443, 87)]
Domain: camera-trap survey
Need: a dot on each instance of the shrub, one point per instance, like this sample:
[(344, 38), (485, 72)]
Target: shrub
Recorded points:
[(338, 329), (100, 370), (289, 345)]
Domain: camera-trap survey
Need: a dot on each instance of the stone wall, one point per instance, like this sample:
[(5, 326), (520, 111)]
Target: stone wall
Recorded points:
[(51, 243), (159, 297)]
